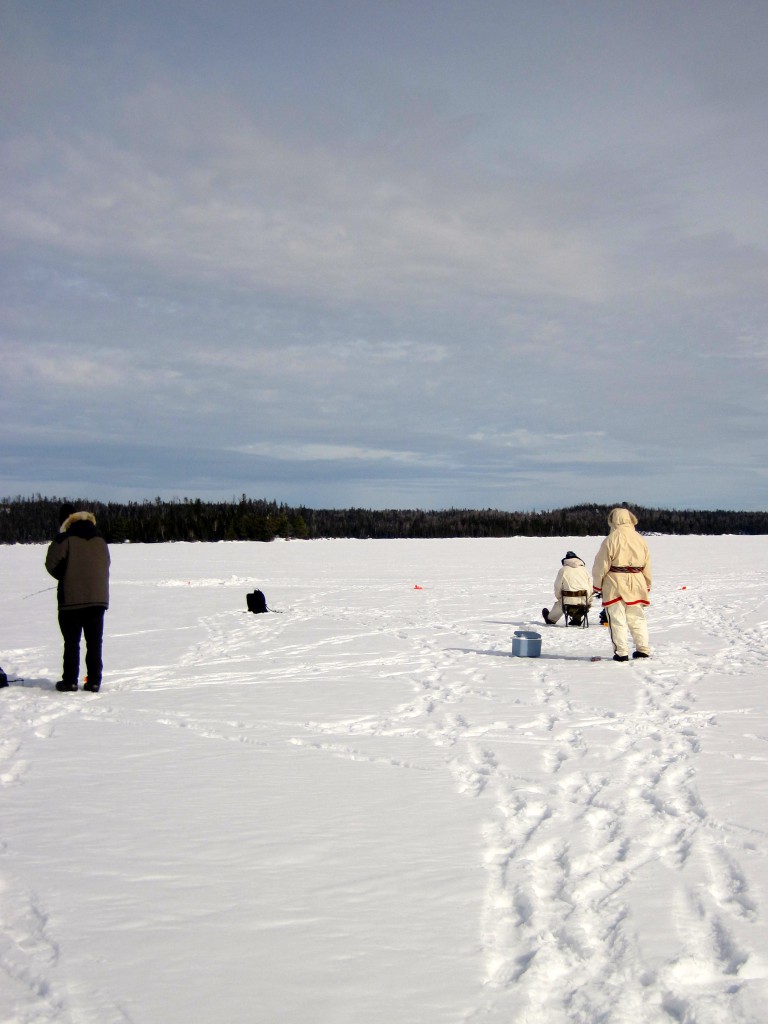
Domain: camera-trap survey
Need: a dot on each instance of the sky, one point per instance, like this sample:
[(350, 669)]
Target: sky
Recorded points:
[(388, 255)]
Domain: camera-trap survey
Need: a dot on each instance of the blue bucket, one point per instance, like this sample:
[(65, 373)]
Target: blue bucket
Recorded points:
[(526, 644)]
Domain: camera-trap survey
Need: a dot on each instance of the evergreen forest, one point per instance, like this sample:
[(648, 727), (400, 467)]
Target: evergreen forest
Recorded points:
[(34, 520)]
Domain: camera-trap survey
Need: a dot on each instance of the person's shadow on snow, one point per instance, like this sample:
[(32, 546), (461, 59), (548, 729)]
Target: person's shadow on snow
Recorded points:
[(509, 654), (32, 684), (517, 657)]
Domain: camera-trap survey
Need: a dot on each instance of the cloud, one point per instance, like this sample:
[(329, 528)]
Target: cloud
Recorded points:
[(592, 446), (308, 452), (234, 202), (457, 254), (222, 201)]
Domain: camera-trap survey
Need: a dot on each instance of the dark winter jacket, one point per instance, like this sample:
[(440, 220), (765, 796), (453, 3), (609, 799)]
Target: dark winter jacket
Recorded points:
[(78, 558)]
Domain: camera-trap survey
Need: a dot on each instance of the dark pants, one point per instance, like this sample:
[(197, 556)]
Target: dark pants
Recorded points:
[(88, 622)]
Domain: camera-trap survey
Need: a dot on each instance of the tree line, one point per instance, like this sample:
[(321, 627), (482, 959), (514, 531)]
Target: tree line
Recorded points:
[(34, 520)]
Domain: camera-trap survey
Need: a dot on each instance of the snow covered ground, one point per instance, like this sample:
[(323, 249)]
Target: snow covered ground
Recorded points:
[(364, 810)]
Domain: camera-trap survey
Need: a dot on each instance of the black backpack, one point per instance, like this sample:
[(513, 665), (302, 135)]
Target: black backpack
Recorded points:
[(3, 679), (256, 602)]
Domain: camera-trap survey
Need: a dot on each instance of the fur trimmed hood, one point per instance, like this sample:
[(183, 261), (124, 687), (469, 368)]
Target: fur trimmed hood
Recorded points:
[(78, 517)]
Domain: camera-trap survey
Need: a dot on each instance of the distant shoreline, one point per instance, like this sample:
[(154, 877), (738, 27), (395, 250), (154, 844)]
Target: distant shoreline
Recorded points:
[(34, 521)]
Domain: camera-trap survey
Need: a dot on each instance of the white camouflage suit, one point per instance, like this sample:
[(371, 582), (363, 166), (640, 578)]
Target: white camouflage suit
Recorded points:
[(572, 575), (622, 572)]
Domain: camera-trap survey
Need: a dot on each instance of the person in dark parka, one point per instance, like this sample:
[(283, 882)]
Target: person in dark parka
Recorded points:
[(78, 557)]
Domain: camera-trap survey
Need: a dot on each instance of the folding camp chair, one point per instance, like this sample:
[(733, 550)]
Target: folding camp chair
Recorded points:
[(575, 608)]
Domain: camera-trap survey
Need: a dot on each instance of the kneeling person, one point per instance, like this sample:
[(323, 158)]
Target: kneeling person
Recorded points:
[(572, 575)]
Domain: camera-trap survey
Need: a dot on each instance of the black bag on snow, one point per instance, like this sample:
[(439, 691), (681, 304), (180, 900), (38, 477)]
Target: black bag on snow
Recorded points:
[(256, 602)]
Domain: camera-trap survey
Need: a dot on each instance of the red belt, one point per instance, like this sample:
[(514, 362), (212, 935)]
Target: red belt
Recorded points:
[(625, 568)]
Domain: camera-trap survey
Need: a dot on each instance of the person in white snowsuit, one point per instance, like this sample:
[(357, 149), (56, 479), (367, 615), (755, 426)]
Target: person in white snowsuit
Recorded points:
[(572, 575), (622, 576)]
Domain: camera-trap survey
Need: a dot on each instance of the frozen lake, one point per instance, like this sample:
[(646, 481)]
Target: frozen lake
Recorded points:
[(360, 809)]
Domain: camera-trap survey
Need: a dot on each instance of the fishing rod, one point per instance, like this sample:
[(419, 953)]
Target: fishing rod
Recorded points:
[(43, 591)]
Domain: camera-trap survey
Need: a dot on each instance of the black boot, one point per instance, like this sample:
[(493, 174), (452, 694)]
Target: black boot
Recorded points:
[(621, 657), (63, 687)]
